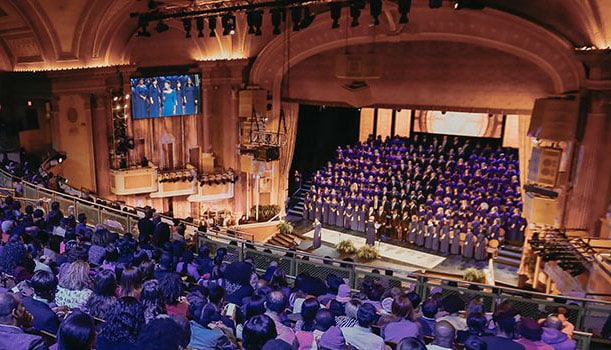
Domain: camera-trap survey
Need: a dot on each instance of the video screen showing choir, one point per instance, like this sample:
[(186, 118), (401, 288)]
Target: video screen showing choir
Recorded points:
[(447, 195), (165, 96)]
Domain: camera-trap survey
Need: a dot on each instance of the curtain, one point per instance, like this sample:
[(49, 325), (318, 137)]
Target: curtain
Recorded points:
[(291, 114), (525, 146)]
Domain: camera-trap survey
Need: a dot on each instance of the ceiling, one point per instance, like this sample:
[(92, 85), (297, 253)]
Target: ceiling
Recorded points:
[(61, 34)]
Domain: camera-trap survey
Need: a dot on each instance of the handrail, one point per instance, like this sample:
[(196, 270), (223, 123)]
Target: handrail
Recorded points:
[(354, 265)]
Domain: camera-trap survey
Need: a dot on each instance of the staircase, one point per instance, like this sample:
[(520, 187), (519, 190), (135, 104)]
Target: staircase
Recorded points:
[(285, 240), (298, 198), (509, 255)]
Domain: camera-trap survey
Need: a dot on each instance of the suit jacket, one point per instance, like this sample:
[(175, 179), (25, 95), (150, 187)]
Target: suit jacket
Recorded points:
[(145, 228), (44, 318), (14, 338)]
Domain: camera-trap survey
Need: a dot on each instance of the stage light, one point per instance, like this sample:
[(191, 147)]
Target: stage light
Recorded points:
[(199, 24), (228, 23), (116, 98), (296, 17), (336, 14), (277, 16), (375, 9), (186, 23), (212, 26), (161, 26), (29, 103), (435, 4), (469, 4), (404, 8), (308, 18), (127, 96)]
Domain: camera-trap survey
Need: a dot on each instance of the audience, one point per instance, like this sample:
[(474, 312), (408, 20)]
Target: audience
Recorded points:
[(444, 335), (73, 289), (14, 317), (411, 343), (403, 323), (44, 284), (361, 336), (123, 325), (531, 332), (553, 335), (77, 332), (257, 331)]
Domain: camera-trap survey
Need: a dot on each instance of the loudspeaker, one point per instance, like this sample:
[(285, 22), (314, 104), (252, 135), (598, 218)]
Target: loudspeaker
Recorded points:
[(555, 119), (540, 190), (543, 166), (357, 66), (252, 100), (267, 154), (540, 210)]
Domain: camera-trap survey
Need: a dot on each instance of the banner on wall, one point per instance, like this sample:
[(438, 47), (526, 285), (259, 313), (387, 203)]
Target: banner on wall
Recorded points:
[(459, 123)]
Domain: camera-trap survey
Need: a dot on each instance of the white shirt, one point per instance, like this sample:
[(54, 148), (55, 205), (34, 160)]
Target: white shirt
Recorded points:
[(362, 338)]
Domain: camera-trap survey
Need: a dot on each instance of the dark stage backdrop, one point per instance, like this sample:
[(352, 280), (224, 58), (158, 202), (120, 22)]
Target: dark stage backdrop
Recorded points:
[(319, 132)]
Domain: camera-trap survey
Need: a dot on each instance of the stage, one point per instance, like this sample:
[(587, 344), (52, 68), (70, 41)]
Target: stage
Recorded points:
[(387, 251)]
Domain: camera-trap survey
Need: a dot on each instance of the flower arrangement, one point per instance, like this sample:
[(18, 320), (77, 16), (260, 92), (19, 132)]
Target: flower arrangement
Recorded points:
[(474, 275), (367, 253), (285, 227), (345, 247)]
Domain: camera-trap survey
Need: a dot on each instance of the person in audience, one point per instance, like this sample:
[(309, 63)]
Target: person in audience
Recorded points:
[(187, 266), (97, 250), (131, 283), (103, 297), (349, 318), (531, 332), (146, 227), (77, 332), (304, 328), (505, 324), (122, 326), (151, 298), (171, 289), (452, 304), (553, 335), (475, 343), (444, 335), (411, 343), (14, 317), (207, 329), (255, 305), (161, 334), (45, 319), (403, 324), (257, 331), (332, 339), (567, 327), (427, 320), (360, 336), (276, 305), (74, 287)]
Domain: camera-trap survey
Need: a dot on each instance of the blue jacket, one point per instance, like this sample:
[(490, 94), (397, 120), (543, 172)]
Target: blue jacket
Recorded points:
[(44, 318)]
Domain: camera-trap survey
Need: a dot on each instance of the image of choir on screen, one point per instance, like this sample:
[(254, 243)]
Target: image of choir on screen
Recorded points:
[(447, 195), (164, 96)]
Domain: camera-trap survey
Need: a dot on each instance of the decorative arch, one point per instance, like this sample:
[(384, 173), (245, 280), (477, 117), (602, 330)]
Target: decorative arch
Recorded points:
[(487, 28)]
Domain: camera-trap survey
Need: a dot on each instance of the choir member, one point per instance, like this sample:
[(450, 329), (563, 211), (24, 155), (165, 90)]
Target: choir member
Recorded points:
[(420, 232), (348, 214), (317, 234), (480, 247), (428, 235), (339, 218), (140, 97), (444, 239), (404, 227), (318, 208), (361, 218), (370, 231), (380, 220), (332, 212), (180, 98), (154, 95), (190, 97), (436, 233), (468, 245), (455, 233), (395, 224), (169, 99), (306, 206), (354, 218), (413, 230), (312, 208), (325, 211)]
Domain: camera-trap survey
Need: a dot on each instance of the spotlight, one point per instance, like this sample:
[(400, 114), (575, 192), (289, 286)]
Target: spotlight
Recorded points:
[(161, 26), (355, 11), (228, 23), (469, 4), (212, 26), (296, 17), (435, 4), (308, 18), (404, 8), (199, 24), (336, 14), (277, 17), (186, 23), (375, 9)]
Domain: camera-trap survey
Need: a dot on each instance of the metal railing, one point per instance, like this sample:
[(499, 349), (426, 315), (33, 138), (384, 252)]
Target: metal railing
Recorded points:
[(586, 314)]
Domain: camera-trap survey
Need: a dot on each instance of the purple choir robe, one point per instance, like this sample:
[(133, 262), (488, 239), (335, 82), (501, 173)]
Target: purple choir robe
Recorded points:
[(413, 230), (468, 246), (354, 219), (435, 243), (318, 210), (428, 237), (306, 208), (332, 213), (339, 217), (444, 240), (420, 234), (360, 220), (317, 238), (480, 247), (455, 249), (325, 212), (311, 210)]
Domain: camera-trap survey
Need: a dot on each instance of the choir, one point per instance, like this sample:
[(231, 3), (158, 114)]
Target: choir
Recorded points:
[(449, 195), (165, 96)]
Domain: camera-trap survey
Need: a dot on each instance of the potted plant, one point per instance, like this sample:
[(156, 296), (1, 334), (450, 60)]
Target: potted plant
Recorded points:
[(474, 275), (345, 247), (285, 227), (367, 253)]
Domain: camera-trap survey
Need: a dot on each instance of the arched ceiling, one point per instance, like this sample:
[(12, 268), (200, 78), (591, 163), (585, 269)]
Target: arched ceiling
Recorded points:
[(61, 34)]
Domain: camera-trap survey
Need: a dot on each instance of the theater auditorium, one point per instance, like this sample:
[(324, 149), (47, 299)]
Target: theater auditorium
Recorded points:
[(305, 174)]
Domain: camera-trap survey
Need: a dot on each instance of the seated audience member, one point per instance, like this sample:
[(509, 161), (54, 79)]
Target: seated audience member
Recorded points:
[(505, 323), (254, 306), (567, 327), (443, 336), (151, 298), (403, 324), (360, 336), (304, 328), (161, 334), (324, 321), (103, 297), (207, 330), (171, 288), (77, 332), (97, 251), (276, 344), (427, 320), (530, 332), (122, 327), (411, 343), (333, 283), (185, 330), (350, 311), (452, 304), (332, 339), (475, 343), (45, 319), (74, 286), (187, 266), (276, 305), (130, 284), (553, 335), (258, 331), (477, 323), (13, 316)]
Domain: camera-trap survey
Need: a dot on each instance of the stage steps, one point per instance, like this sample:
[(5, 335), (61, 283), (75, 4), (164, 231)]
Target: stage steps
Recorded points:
[(286, 240), (509, 255), (298, 198)]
